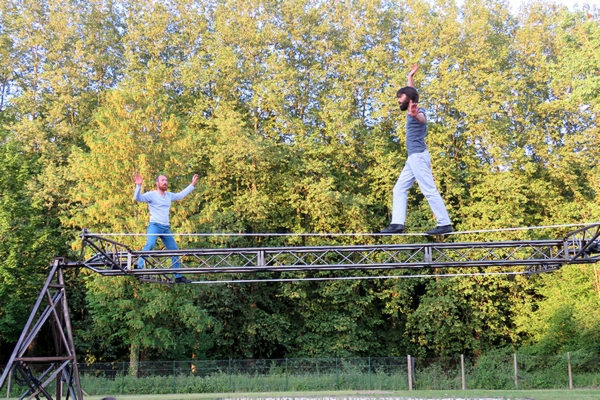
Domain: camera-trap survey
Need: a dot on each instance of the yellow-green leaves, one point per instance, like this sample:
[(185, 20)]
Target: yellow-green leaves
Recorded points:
[(287, 111)]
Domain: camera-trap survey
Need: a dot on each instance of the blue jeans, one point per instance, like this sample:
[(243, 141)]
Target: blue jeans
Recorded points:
[(155, 231)]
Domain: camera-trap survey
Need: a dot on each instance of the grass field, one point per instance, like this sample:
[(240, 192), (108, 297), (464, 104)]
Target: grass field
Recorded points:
[(576, 394)]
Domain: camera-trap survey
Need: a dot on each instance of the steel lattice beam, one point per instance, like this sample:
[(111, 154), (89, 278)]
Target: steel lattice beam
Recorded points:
[(112, 258)]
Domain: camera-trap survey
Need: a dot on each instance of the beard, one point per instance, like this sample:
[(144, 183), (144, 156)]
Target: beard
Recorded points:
[(404, 105)]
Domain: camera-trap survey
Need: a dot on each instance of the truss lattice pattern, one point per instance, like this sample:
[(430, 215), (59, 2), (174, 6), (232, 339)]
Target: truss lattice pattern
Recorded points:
[(112, 258)]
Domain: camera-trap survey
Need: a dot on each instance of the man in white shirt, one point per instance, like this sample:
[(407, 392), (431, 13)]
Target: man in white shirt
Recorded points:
[(159, 204)]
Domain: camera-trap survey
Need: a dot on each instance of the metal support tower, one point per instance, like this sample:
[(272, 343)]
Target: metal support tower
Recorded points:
[(61, 367)]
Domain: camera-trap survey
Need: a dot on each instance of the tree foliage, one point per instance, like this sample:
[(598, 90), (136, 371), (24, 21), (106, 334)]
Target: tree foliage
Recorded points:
[(286, 110)]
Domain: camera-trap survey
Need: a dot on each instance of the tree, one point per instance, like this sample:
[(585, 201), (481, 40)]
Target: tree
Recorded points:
[(563, 316), (28, 239)]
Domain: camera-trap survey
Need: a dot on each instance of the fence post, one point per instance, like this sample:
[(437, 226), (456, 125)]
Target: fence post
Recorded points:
[(230, 378), (122, 377), (516, 372), (286, 375), (337, 375), (370, 385), (174, 377), (570, 375), (462, 372), (410, 386)]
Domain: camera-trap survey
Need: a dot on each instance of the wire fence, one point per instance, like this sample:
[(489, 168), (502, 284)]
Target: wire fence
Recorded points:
[(571, 370)]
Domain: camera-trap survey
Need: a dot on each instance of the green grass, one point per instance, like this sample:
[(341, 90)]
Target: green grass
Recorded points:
[(576, 394)]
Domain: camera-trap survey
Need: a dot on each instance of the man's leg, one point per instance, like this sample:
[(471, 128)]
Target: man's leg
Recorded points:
[(400, 194), (421, 166), (170, 244), (399, 197), (150, 241)]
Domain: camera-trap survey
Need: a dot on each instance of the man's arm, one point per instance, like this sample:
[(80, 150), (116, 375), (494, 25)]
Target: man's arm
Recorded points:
[(412, 72), (186, 191), (413, 111), (137, 193), (413, 108)]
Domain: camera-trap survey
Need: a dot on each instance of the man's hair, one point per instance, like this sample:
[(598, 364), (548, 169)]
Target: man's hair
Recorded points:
[(410, 92), (158, 176)]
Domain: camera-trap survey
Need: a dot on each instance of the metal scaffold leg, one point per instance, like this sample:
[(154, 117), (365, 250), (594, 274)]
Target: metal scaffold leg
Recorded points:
[(37, 373)]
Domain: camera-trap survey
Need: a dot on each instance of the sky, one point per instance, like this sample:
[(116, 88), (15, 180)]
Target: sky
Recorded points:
[(515, 4)]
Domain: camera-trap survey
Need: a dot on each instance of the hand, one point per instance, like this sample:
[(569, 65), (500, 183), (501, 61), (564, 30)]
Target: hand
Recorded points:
[(138, 179), (194, 179), (413, 70), (413, 109)]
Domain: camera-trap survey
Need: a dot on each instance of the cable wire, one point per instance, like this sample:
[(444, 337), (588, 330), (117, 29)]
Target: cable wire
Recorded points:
[(363, 277), (316, 234)]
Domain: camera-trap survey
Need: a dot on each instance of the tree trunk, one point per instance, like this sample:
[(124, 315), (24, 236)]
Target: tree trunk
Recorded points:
[(134, 359)]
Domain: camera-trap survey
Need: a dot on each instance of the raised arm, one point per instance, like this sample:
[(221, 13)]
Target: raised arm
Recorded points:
[(137, 194), (412, 72), (186, 191)]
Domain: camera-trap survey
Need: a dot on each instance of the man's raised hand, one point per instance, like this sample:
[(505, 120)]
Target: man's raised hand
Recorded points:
[(413, 70), (413, 109), (138, 179), (194, 179)]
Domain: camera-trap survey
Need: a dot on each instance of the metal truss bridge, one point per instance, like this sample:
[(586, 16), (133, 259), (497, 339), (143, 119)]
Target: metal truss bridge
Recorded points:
[(263, 264), (111, 258)]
